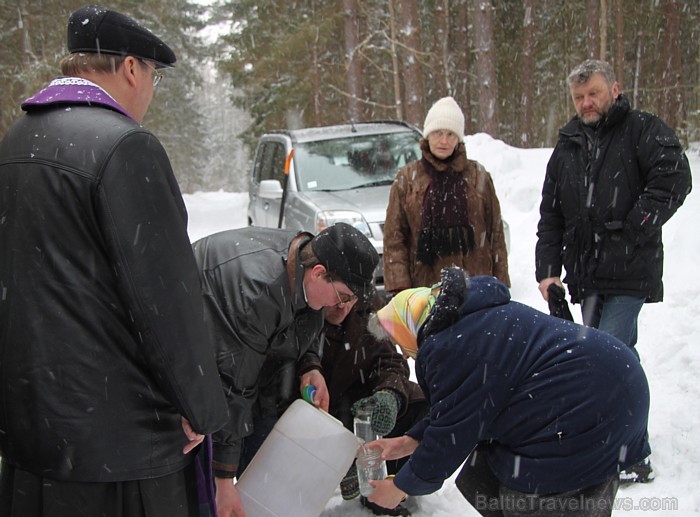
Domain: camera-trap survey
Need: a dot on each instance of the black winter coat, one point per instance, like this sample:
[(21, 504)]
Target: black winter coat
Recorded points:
[(259, 326), (102, 341), (604, 225)]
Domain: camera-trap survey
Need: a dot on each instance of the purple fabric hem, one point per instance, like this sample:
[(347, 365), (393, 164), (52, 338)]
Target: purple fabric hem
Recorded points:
[(205, 480)]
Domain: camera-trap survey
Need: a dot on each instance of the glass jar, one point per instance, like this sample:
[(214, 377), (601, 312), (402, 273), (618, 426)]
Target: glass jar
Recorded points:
[(369, 463), (370, 467)]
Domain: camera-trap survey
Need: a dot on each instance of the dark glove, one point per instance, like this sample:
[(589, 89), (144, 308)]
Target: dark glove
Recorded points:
[(349, 485), (385, 407), (557, 302)]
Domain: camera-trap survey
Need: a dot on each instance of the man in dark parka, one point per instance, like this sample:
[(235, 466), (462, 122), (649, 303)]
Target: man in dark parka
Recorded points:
[(616, 176), (614, 179)]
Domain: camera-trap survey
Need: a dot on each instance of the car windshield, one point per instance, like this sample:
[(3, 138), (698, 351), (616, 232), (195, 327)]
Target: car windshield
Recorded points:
[(354, 162)]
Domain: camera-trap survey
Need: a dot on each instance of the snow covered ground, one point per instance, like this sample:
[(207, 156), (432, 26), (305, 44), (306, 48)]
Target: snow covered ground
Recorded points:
[(669, 336)]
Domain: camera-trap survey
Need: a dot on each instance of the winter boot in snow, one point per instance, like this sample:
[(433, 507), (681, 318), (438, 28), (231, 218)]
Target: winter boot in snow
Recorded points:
[(380, 510), (641, 472)]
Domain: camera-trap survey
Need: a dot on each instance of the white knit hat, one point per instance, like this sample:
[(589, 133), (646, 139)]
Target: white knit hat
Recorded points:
[(445, 114)]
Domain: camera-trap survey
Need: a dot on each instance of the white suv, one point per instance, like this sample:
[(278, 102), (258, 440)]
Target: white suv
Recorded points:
[(308, 179)]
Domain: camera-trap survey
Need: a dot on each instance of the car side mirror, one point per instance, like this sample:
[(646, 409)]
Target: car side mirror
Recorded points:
[(270, 189)]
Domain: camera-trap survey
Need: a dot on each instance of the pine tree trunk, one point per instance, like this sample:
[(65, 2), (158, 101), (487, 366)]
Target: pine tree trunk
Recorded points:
[(487, 84), (672, 104), (354, 66), (409, 36), (638, 67), (593, 28), (460, 39), (527, 73), (396, 75), (603, 20), (619, 42), (441, 86)]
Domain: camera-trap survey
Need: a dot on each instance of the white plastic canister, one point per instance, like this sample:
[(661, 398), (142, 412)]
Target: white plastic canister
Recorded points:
[(299, 465)]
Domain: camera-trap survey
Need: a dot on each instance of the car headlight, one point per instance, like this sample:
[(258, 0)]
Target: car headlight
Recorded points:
[(328, 218)]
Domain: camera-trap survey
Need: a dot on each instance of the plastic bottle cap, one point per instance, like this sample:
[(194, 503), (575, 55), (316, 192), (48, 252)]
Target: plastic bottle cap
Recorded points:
[(308, 393)]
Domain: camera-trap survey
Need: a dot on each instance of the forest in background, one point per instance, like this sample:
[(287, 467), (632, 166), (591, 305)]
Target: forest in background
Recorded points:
[(278, 64)]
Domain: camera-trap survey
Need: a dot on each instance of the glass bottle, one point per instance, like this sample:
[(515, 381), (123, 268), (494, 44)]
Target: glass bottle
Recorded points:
[(362, 424)]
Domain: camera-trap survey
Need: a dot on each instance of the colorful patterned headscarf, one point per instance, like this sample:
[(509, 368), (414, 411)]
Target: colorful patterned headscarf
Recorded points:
[(403, 316)]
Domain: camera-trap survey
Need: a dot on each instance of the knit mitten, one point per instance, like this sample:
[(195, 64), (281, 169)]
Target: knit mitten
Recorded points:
[(385, 407), (349, 485)]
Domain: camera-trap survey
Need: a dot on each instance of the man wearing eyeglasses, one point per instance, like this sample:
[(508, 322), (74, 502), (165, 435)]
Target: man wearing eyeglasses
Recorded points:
[(107, 380), (264, 294)]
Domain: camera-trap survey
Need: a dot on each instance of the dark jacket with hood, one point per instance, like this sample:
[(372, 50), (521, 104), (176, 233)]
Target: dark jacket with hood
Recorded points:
[(563, 406), (259, 323), (601, 217), (356, 365), (102, 341)]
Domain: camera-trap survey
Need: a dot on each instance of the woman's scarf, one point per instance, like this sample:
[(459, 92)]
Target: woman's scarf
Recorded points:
[(403, 316), (445, 227)]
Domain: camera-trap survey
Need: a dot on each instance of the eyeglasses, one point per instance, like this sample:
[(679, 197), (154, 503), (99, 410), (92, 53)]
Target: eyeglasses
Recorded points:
[(342, 303), (157, 74)]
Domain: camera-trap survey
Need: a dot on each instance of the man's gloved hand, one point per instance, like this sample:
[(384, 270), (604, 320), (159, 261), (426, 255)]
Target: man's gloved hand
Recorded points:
[(557, 302), (349, 485), (385, 407)]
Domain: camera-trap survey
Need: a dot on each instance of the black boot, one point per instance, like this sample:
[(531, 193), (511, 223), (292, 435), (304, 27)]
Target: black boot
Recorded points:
[(379, 510), (641, 472)]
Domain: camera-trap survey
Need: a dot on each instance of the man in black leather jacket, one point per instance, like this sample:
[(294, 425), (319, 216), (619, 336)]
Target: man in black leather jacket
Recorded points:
[(264, 291), (106, 377), (615, 177)]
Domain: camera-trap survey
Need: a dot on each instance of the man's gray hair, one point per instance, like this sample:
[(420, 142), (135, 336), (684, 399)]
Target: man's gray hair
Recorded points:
[(583, 72)]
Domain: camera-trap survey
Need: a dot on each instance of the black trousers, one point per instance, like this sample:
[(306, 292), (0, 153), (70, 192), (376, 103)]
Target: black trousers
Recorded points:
[(23, 494), (485, 493)]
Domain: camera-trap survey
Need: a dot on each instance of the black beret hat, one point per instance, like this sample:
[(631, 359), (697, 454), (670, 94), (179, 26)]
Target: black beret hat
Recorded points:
[(96, 29), (346, 253)]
